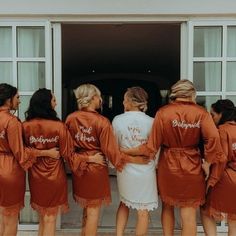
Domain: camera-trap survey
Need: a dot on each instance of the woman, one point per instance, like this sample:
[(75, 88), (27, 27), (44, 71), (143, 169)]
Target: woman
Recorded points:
[(178, 128), (47, 177), (132, 128), (13, 156), (221, 198), (93, 132)]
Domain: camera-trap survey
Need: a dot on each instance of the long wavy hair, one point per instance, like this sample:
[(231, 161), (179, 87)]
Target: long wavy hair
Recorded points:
[(40, 106), (226, 108), (6, 91)]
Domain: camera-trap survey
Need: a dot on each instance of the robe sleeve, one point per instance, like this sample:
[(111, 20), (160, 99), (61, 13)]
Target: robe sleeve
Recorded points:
[(25, 156), (109, 147), (155, 139), (217, 169), (213, 152)]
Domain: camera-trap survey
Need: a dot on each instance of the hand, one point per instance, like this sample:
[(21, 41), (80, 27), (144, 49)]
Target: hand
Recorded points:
[(98, 158), (206, 168), (51, 153)]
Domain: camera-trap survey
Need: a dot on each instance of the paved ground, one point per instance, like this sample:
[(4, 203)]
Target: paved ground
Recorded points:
[(71, 222), (73, 233)]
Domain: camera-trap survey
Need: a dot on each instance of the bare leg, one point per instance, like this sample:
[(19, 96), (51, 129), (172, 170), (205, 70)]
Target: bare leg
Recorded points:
[(121, 218), (209, 225), (41, 228), (142, 224), (92, 221), (188, 217), (1, 223), (232, 228), (49, 225), (167, 219), (10, 225), (84, 221)]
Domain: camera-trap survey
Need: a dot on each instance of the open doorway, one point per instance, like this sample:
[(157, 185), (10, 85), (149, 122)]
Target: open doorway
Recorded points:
[(117, 56)]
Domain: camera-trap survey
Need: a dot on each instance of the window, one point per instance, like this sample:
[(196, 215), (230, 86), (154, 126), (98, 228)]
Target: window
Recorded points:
[(212, 66), (25, 58), (25, 62)]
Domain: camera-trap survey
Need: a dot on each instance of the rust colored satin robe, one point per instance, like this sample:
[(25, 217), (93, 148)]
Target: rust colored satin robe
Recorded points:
[(178, 128), (221, 198), (13, 157), (47, 176), (93, 133)]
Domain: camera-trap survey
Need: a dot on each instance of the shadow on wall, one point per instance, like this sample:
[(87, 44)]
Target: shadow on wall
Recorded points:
[(113, 87)]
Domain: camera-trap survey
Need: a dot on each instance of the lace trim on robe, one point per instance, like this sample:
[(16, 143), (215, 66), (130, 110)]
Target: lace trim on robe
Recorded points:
[(50, 210), (92, 202), (218, 215), (139, 206), (195, 203), (12, 210)]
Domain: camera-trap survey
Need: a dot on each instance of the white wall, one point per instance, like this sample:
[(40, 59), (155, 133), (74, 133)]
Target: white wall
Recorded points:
[(91, 7)]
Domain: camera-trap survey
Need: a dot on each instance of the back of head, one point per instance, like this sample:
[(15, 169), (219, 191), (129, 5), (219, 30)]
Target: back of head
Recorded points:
[(139, 98), (6, 92), (183, 89), (226, 108), (40, 106), (84, 94)]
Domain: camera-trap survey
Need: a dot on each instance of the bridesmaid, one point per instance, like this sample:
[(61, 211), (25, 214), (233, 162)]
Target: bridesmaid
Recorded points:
[(132, 128), (47, 176), (93, 133), (221, 197), (178, 128), (13, 156)]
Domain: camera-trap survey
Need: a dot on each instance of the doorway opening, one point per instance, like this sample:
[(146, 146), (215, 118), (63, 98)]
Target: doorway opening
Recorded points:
[(117, 56), (114, 57)]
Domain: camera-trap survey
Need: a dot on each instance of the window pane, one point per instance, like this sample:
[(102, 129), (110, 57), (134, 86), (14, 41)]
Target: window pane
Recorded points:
[(6, 72), (230, 76), (232, 98), (30, 42), (207, 41), (206, 101), (23, 106), (207, 76), (31, 75), (5, 42), (231, 38)]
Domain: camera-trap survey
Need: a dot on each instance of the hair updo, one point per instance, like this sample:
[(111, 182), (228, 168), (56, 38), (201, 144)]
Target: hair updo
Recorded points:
[(139, 97), (182, 89), (84, 94)]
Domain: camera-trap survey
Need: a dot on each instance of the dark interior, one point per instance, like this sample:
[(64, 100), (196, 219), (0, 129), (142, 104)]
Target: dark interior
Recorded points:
[(117, 56)]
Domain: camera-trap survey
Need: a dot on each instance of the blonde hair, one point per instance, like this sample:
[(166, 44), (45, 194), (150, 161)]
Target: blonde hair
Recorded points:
[(84, 94), (183, 89), (138, 97)]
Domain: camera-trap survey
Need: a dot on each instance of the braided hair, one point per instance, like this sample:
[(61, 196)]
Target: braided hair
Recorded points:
[(138, 97)]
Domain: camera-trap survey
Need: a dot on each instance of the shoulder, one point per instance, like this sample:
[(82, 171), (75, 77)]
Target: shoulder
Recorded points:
[(104, 120), (14, 120), (148, 118), (224, 127), (71, 116), (119, 117)]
